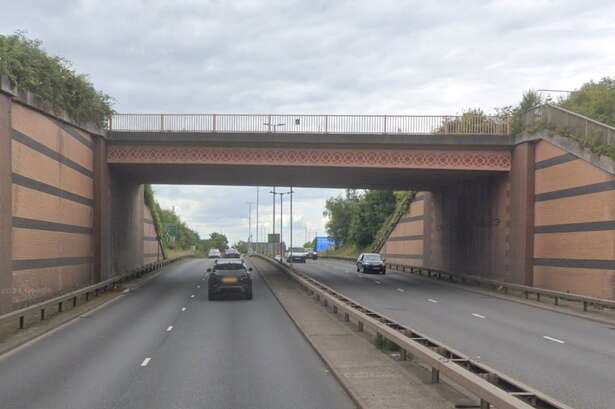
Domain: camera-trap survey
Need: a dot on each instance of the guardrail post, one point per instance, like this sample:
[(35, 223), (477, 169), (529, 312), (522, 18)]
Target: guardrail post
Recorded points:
[(214, 123), (537, 296), (335, 309), (21, 322), (360, 326), (585, 304), (346, 317), (403, 355), (42, 314), (74, 301), (435, 375), (162, 122), (60, 306), (556, 300), (484, 404)]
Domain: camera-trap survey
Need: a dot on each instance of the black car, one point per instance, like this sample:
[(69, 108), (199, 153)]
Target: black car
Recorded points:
[(229, 276), (371, 263)]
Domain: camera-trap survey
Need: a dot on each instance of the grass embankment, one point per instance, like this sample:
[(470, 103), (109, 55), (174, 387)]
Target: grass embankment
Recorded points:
[(176, 253)]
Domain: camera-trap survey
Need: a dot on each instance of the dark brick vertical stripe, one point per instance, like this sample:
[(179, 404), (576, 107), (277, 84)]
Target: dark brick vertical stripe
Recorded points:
[(6, 206)]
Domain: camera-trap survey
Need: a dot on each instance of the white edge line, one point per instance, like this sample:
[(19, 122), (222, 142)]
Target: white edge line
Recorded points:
[(146, 361), (559, 341)]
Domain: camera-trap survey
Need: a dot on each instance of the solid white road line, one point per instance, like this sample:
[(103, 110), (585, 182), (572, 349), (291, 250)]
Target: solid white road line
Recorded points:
[(170, 328), (183, 308), (432, 300), (146, 361), (559, 341), (401, 290), (482, 317)]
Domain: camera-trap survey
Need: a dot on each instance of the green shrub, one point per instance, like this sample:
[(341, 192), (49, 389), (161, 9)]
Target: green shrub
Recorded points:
[(28, 67)]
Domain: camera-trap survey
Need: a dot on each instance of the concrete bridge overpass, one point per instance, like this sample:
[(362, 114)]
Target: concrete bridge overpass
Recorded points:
[(347, 151)]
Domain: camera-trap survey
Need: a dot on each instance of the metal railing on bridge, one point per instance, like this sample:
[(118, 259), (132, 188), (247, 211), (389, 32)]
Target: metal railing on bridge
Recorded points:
[(467, 124), (577, 125)]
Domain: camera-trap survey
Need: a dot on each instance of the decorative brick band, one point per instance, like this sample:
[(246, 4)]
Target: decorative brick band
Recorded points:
[(382, 158)]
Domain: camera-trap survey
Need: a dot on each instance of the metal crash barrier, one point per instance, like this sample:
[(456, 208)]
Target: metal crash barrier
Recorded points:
[(72, 296)]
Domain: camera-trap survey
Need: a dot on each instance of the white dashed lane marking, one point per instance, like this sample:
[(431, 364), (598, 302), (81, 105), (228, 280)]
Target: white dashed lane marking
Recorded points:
[(378, 282), (192, 296), (183, 308), (146, 361), (482, 317), (559, 341), (432, 300), (170, 328), (401, 290)]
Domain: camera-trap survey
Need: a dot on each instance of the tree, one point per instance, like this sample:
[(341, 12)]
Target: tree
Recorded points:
[(373, 208), (339, 212), (215, 241), (595, 100), (174, 228), (241, 246), (356, 218)]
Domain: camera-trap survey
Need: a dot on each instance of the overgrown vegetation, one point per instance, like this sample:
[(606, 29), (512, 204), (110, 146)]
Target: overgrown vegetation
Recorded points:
[(596, 100), (28, 66), (360, 221)]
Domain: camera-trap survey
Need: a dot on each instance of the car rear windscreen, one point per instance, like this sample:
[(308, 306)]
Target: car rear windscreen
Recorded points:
[(229, 266)]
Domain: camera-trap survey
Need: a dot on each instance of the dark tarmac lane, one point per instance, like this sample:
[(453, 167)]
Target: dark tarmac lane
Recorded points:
[(165, 346), (569, 358)]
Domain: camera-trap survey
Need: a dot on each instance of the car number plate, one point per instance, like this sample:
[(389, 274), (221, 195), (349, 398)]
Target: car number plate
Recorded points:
[(229, 280)]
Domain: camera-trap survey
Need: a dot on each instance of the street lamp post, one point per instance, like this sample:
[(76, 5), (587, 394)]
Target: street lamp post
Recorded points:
[(273, 214), (257, 209), (249, 225)]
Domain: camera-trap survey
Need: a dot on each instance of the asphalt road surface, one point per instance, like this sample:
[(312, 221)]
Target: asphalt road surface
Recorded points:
[(165, 346), (571, 359)]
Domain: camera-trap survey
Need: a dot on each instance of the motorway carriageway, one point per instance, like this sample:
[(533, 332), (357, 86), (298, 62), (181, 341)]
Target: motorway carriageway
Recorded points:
[(569, 358), (165, 346)]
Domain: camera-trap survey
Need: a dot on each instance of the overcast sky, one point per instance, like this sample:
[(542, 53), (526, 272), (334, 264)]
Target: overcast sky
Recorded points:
[(316, 56)]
